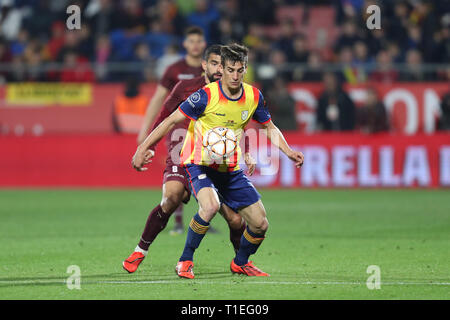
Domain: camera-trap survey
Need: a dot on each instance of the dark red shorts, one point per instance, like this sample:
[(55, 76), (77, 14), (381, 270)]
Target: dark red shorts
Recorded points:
[(174, 172)]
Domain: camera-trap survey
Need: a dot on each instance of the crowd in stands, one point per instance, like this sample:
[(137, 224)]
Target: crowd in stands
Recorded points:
[(288, 38)]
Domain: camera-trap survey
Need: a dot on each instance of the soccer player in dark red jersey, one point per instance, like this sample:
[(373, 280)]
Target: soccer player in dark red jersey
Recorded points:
[(188, 67), (175, 183)]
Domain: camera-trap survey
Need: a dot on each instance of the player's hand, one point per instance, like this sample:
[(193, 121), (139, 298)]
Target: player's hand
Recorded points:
[(142, 158), (296, 156), (250, 163)]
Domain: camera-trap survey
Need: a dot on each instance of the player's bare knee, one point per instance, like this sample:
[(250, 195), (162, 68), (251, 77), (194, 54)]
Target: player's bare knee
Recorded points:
[(170, 202), (261, 226), (208, 209), (235, 221)]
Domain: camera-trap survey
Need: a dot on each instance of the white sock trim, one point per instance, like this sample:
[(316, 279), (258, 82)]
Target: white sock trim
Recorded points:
[(139, 249)]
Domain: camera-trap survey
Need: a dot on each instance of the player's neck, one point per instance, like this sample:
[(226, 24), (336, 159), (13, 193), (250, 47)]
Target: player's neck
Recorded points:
[(232, 93), (193, 61)]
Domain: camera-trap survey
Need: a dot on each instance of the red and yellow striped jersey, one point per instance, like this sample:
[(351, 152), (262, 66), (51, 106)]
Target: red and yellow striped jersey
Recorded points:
[(209, 108)]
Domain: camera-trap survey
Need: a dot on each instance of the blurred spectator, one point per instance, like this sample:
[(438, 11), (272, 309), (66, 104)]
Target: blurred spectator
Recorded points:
[(376, 41), (314, 71), (76, 68), (144, 60), (285, 41), (157, 38), (394, 51), (170, 56), (256, 11), (281, 105), (71, 44), (384, 71), (132, 17), (203, 16), (300, 49), (349, 35), (413, 69), (424, 16), (398, 24), (103, 55), (361, 53), (129, 108), (33, 62), (57, 39), (414, 40), (104, 18), (278, 60), (350, 73), (444, 120), (442, 36), (40, 20), (372, 116), (335, 110), (224, 31), (5, 57)]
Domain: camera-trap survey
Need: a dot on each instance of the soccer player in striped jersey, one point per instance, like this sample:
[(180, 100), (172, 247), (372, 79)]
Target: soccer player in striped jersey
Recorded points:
[(176, 189), (237, 102)]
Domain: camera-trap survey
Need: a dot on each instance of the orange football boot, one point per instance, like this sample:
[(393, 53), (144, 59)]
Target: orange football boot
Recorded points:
[(248, 269), (133, 261), (184, 269)]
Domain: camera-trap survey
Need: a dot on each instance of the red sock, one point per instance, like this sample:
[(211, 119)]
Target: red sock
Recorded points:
[(179, 214), (156, 222)]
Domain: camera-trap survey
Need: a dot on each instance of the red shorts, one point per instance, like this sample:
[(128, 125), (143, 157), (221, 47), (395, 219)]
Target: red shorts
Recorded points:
[(174, 172)]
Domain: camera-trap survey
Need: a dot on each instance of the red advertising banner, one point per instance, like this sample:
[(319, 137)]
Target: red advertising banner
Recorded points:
[(331, 160)]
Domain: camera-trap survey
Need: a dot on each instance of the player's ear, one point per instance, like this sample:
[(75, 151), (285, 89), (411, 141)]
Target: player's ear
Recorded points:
[(204, 63)]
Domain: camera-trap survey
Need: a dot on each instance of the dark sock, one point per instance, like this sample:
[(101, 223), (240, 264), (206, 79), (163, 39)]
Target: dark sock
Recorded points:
[(197, 230), (179, 215), (156, 222), (250, 242), (235, 237)]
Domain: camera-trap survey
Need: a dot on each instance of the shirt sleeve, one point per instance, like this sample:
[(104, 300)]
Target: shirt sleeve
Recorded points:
[(195, 105), (261, 114), (167, 80)]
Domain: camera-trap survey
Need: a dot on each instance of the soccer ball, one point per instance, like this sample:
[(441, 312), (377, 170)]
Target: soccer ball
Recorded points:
[(220, 142)]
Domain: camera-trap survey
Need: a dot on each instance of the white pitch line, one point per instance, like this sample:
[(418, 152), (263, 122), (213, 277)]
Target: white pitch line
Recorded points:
[(180, 281)]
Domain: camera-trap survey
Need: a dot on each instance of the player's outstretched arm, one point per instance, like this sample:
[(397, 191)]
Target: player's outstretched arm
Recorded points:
[(154, 107), (143, 154), (277, 139)]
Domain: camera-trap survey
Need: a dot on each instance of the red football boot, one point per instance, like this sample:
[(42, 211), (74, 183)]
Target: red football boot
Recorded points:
[(133, 261), (248, 269), (184, 269)]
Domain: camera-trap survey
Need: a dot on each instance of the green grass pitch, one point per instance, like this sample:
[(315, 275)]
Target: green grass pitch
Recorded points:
[(319, 246)]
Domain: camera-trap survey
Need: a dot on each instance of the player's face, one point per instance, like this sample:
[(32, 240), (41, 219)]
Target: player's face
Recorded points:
[(233, 74), (194, 45), (212, 67)]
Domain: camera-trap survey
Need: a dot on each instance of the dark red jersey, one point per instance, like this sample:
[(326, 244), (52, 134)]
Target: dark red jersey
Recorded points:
[(179, 71), (180, 93)]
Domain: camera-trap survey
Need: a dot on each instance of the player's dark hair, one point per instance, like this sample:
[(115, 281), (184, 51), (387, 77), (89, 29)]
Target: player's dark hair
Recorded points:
[(212, 49), (194, 30), (234, 53)]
